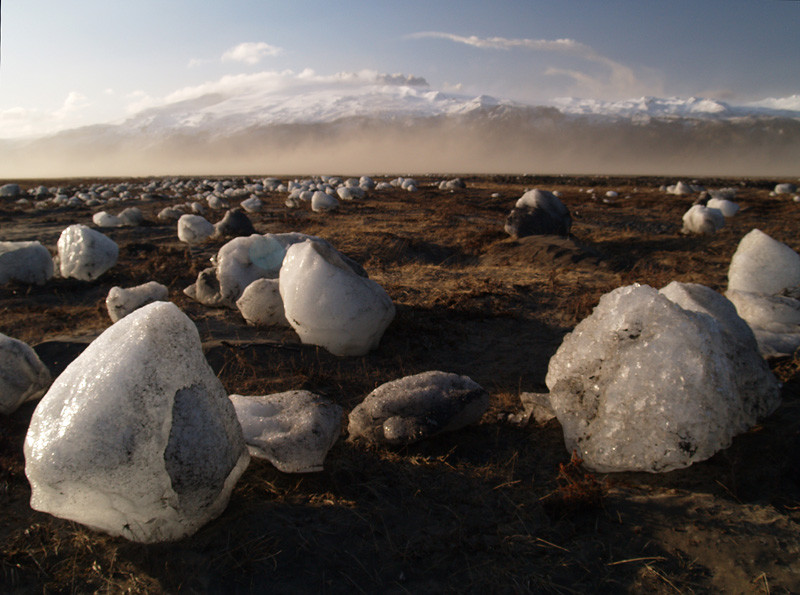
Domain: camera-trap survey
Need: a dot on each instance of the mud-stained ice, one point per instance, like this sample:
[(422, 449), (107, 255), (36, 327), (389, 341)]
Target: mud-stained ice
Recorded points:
[(328, 304), (655, 381), (85, 253), (23, 376), (137, 436), (416, 407), (293, 430), (261, 304)]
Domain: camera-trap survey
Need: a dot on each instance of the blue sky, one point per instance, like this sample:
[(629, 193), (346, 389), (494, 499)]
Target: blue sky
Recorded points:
[(72, 63)]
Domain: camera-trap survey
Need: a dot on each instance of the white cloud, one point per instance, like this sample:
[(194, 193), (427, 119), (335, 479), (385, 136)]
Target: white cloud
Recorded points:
[(617, 80), (19, 121), (250, 52)]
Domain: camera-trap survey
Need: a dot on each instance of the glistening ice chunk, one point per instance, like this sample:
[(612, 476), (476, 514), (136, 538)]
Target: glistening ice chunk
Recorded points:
[(763, 265), (328, 304), (84, 253), (646, 384), (26, 262), (415, 407), (23, 376), (293, 430), (121, 302), (137, 436)]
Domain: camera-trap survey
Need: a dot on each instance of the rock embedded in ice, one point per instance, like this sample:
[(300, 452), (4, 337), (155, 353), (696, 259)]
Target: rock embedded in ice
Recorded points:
[(261, 304), (194, 229), (105, 219), (121, 302), (85, 253), (538, 212), (235, 223), (137, 436), (416, 407), (702, 220), (23, 376), (762, 264), (206, 288), (726, 207), (328, 304), (293, 430), (644, 384), (322, 202), (25, 262)]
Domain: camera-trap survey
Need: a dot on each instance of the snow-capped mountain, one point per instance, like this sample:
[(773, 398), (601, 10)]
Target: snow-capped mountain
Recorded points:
[(237, 107), (367, 122)]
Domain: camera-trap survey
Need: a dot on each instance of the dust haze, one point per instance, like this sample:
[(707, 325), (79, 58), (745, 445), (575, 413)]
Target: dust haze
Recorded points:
[(532, 140)]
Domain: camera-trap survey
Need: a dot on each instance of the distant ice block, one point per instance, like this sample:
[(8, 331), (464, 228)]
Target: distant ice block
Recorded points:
[(293, 430), (194, 229), (252, 205), (322, 202), (137, 436), (105, 219), (85, 253), (121, 302), (763, 265), (702, 220), (328, 304), (726, 207), (416, 407), (25, 262), (646, 383), (131, 217), (261, 303), (23, 376)]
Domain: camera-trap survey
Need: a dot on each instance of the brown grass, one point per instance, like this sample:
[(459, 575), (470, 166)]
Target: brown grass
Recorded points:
[(494, 507)]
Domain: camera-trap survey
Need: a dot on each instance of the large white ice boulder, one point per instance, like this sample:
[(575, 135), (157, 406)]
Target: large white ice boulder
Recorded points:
[(702, 220), (26, 262), (655, 381), (261, 303), (763, 284), (245, 259), (293, 430), (121, 302), (85, 253), (328, 304), (106, 219), (762, 264), (194, 229), (415, 407), (137, 436), (23, 376)]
